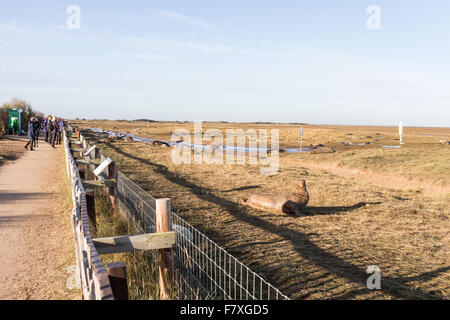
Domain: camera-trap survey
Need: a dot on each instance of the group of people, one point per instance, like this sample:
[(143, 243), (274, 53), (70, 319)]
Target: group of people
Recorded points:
[(53, 128)]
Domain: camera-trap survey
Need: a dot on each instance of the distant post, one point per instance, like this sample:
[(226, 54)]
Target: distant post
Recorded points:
[(301, 138), (165, 256), (112, 174), (400, 131)]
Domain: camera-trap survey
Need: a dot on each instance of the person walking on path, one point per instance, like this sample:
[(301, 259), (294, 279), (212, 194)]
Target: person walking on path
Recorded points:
[(44, 125), (37, 129), (49, 129), (54, 131), (60, 130), (31, 134)]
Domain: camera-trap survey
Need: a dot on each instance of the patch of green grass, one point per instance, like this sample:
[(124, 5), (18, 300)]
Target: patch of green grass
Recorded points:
[(141, 266)]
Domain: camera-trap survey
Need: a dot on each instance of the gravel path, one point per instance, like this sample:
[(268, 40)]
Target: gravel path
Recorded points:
[(35, 230)]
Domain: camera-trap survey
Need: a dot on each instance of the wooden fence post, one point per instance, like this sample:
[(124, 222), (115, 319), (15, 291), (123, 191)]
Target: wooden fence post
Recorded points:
[(90, 206), (81, 145), (117, 273), (82, 172), (165, 256), (97, 154), (112, 174), (94, 155)]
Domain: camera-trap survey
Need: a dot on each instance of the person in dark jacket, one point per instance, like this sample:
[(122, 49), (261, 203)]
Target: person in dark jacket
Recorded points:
[(37, 129), (53, 131), (60, 130), (31, 134), (44, 126)]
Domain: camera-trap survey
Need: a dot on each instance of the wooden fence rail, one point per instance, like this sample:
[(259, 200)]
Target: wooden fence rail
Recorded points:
[(94, 280)]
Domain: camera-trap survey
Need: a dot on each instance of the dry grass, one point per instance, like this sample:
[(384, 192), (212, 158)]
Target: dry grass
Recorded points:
[(422, 158), (11, 147), (351, 222)]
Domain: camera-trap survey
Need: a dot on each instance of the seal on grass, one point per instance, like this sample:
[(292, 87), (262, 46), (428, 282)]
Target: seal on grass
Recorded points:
[(160, 143), (324, 150), (292, 203)]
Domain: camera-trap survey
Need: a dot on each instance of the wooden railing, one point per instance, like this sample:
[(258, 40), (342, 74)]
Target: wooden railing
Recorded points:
[(92, 274)]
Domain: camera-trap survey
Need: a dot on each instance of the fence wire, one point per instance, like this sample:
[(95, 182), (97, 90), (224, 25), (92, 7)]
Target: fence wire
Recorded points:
[(203, 270)]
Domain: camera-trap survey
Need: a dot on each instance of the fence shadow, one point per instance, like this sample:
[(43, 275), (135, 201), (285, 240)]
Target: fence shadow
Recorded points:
[(12, 196), (396, 286), (9, 220)]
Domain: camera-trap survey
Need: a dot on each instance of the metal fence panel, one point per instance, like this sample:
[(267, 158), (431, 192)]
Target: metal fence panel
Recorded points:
[(203, 270)]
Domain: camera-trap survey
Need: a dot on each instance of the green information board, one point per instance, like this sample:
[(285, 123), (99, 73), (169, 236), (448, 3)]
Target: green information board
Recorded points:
[(15, 121)]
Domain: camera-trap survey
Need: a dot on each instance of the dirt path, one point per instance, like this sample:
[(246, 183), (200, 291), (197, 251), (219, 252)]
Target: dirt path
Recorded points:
[(35, 232)]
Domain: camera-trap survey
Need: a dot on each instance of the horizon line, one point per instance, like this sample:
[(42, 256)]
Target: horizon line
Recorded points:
[(258, 122)]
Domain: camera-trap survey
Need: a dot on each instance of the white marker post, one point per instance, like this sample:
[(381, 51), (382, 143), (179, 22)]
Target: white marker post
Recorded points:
[(400, 131), (301, 138), (90, 150), (102, 166)]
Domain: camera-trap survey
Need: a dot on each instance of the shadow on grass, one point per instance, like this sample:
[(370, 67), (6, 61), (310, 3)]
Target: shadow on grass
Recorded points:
[(310, 211), (8, 156), (396, 286), (314, 211), (242, 188)]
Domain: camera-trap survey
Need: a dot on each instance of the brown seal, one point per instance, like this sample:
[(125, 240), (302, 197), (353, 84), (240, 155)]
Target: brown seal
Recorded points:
[(292, 203), (105, 140), (269, 151), (323, 150), (160, 143)]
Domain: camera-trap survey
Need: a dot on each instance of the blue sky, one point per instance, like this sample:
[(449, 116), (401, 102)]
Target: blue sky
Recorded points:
[(281, 61)]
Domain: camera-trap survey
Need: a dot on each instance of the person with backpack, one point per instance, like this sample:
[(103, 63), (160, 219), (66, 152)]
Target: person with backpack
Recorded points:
[(31, 134)]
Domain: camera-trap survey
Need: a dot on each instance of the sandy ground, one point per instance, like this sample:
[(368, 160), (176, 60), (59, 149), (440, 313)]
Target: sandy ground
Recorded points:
[(35, 231)]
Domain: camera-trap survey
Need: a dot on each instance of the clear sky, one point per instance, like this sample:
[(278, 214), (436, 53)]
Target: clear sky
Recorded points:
[(282, 61)]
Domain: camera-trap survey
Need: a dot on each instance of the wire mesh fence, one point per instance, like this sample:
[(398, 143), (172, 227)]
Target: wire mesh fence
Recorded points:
[(203, 270)]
